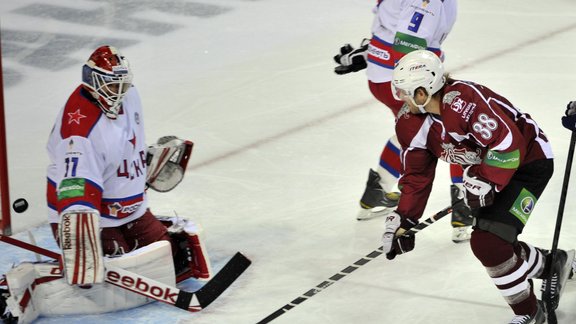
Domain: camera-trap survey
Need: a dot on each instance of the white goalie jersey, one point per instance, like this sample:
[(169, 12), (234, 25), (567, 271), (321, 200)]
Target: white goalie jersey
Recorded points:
[(97, 163)]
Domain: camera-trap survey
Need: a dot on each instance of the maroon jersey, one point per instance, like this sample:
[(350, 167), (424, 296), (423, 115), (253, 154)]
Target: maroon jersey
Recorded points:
[(477, 127)]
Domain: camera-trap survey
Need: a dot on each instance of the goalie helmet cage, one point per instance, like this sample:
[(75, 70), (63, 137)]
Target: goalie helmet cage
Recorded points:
[(5, 226)]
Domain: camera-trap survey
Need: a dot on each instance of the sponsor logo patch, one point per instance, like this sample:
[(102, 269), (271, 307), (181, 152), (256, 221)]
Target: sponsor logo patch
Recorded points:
[(509, 160), (404, 43), (378, 52), (116, 209), (458, 105), (523, 205), (71, 188)]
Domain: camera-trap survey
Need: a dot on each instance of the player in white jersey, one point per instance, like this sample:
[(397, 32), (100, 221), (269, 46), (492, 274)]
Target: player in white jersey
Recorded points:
[(97, 175), (399, 27)]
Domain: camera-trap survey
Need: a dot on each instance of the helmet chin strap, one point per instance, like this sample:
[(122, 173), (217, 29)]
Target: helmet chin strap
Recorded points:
[(421, 107)]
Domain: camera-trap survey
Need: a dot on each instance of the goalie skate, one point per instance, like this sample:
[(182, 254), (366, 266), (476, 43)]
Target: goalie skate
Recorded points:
[(561, 270), (376, 201)]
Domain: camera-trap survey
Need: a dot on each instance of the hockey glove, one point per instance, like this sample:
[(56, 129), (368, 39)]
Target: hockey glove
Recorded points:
[(394, 241), (569, 120), (166, 162), (350, 59), (478, 192)]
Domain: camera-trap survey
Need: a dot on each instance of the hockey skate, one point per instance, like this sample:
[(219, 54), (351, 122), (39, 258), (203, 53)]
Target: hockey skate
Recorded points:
[(538, 318), (561, 270), (376, 201), (461, 216)]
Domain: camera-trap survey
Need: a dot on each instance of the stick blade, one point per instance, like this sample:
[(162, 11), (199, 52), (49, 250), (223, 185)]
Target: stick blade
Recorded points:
[(223, 279)]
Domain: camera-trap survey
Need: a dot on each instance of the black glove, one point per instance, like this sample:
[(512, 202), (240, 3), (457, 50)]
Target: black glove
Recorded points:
[(394, 241), (569, 120), (401, 244), (350, 59)]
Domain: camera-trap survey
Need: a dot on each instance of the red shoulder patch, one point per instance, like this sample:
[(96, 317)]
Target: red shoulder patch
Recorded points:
[(80, 115)]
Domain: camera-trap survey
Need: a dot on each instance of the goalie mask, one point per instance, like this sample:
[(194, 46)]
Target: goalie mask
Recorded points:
[(107, 76), (166, 162)]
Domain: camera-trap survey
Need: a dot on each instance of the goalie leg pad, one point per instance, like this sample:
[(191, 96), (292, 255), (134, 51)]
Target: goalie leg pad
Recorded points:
[(81, 247), (38, 289), (21, 300)]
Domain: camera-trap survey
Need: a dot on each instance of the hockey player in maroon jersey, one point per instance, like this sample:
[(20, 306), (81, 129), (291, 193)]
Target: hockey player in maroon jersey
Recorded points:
[(400, 27), (508, 162)]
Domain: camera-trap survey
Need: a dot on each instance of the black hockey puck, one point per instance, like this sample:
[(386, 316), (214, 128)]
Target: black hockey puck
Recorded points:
[(20, 205)]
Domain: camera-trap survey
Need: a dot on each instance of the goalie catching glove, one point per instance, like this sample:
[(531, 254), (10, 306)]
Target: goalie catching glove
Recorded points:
[(478, 192), (350, 59), (394, 241), (166, 162)]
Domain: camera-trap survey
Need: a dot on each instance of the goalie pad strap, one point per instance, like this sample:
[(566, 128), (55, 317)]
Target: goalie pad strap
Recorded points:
[(81, 247)]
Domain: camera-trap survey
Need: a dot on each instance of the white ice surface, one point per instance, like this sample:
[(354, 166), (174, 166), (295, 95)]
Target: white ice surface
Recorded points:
[(283, 145)]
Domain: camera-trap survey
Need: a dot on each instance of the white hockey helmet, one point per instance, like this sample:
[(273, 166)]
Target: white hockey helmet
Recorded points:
[(417, 69), (107, 76)]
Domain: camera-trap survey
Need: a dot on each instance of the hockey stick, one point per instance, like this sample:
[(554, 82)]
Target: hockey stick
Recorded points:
[(550, 309), (190, 301), (351, 268)]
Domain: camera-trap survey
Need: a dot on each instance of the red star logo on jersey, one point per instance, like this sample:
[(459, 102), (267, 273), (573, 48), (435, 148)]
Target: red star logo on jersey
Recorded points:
[(75, 117), (133, 140)]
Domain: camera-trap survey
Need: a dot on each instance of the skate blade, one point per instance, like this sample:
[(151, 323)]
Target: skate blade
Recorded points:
[(461, 234), (366, 214)]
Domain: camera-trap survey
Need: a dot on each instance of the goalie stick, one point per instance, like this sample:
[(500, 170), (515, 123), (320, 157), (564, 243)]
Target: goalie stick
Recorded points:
[(351, 268), (190, 301), (551, 314)]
